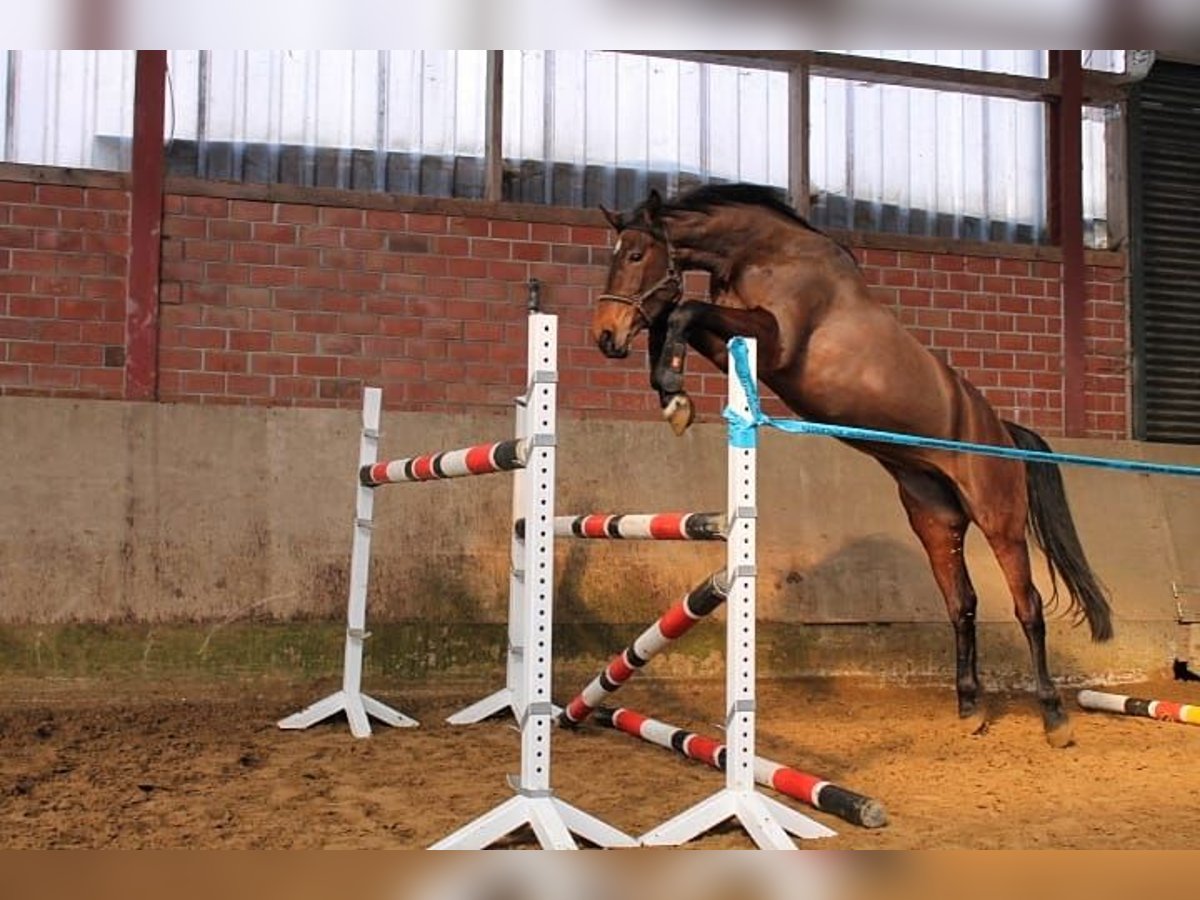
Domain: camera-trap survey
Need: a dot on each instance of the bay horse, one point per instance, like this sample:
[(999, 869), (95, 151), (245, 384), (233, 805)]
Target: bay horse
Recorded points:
[(833, 354)]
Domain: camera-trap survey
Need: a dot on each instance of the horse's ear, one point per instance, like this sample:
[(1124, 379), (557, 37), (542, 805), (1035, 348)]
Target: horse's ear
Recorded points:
[(652, 206), (615, 219)]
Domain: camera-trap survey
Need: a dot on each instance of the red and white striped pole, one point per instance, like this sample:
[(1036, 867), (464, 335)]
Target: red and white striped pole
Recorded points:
[(671, 625), (816, 792), (691, 526), (1163, 710), (482, 459)]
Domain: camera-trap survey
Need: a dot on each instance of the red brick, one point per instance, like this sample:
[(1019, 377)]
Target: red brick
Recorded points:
[(426, 224), (179, 358), (270, 233), (359, 368), (203, 338), (59, 195), (224, 361), (363, 282), (23, 284), (99, 198), (383, 261), (34, 216), (964, 282), (358, 323), (182, 227), (255, 254), (203, 383), (483, 248), (335, 344), (13, 374), (318, 323), (73, 308), (53, 376), (293, 342), (571, 255), (248, 385), (516, 231), (271, 320), (79, 355), (298, 257), (272, 276), (341, 217), (298, 388), (550, 234), (229, 230), (295, 214), (62, 241), (466, 267), (86, 218), (339, 301), (316, 277), (313, 236), (386, 220), (250, 342), (31, 352), (113, 244), (598, 237), (508, 272), (320, 366), (111, 333), (251, 211), (355, 239), (530, 252), (302, 299), (342, 259), (426, 265), (473, 227), (395, 326), (16, 237), (16, 192)]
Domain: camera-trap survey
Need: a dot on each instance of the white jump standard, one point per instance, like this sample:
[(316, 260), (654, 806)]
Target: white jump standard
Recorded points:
[(350, 699), (531, 456)]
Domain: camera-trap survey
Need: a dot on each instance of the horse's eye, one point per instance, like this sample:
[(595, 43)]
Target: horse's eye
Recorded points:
[(635, 256)]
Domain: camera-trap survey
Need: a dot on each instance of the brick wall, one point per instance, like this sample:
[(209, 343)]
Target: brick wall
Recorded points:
[(63, 260), (300, 303)]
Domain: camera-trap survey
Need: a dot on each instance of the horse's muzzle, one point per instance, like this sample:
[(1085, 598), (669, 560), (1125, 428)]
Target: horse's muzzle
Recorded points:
[(609, 347)]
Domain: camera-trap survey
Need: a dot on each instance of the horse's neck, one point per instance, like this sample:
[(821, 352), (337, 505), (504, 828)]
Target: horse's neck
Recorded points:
[(715, 242)]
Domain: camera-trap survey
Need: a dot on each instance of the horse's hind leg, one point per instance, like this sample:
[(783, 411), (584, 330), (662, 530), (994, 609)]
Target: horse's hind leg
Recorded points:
[(939, 521), (1012, 552)]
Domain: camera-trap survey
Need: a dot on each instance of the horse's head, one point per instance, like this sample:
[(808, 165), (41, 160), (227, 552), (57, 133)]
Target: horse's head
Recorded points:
[(643, 279)]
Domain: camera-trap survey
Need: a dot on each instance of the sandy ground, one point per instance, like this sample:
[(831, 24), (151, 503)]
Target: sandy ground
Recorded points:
[(202, 765)]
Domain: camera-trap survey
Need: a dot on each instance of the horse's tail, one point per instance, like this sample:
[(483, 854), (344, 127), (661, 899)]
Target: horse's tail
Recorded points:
[(1052, 527)]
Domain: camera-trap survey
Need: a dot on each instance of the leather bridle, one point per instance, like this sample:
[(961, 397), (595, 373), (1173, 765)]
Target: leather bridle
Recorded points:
[(670, 277)]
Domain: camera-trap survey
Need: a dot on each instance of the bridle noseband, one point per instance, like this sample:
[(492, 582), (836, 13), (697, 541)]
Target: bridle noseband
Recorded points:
[(669, 277)]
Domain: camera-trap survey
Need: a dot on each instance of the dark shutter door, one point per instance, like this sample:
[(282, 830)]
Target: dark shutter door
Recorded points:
[(1165, 140)]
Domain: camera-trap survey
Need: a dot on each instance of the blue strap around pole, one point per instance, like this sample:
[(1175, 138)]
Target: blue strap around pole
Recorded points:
[(741, 433)]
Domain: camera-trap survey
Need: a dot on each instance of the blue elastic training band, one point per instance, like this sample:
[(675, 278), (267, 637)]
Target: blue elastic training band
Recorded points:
[(739, 425)]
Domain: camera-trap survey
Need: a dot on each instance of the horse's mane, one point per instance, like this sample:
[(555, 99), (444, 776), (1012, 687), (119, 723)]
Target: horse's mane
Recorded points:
[(710, 196)]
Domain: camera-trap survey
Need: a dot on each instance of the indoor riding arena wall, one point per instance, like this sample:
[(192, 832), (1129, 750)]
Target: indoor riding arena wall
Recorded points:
[(211, 528)]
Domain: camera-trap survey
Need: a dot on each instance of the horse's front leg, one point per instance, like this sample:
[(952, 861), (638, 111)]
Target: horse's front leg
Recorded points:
[(707, 327)]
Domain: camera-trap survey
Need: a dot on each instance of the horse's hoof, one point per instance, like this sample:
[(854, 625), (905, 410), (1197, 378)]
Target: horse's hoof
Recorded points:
[(975, 723), (1060, 736), (679, 413)]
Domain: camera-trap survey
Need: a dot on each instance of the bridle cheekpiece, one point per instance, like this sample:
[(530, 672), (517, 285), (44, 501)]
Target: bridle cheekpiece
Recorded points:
[(670, 277)]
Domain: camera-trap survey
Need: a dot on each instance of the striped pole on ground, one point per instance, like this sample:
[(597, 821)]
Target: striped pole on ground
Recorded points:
[(816, 792), (671, 625), (693, 526), (1163, 710), (481, 459)]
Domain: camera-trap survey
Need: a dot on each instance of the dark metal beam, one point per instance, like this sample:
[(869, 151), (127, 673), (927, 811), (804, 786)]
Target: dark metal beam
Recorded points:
[(145, 227), (1066, 227)]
